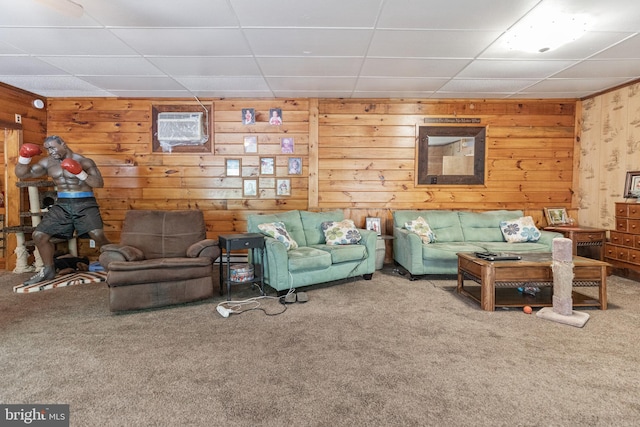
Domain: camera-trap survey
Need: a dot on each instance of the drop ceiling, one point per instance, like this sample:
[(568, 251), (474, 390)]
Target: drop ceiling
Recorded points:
[(301, 48)]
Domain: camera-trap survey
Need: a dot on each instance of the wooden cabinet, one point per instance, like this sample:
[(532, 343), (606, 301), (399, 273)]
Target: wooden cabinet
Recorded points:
[(587, 241), (623, 248)]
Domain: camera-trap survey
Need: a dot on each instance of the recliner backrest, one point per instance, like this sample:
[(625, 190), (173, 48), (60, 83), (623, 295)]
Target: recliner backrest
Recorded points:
[(163, 234)]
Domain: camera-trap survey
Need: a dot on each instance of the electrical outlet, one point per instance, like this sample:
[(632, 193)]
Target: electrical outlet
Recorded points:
[(92, 243), (18, 118)]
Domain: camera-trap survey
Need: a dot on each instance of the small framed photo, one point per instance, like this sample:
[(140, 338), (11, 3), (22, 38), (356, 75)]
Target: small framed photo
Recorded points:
[(250, 187), (267, 165), (275, 116), (556, 216), (286, 145), (283, 187), (295, 166), (248, 116), (632, 185), (233, 167), (373, 224), (251, 144)]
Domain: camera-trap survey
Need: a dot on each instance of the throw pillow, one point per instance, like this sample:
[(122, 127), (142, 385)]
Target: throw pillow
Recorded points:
[(422, 229), (340, 232), (520, 230), (278, 231)]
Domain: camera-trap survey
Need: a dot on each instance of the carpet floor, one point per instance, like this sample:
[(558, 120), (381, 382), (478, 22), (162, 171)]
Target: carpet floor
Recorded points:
[(385, 352)]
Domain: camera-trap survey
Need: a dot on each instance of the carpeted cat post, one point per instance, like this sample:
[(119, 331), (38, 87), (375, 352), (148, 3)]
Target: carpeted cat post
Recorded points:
[(562, 267)]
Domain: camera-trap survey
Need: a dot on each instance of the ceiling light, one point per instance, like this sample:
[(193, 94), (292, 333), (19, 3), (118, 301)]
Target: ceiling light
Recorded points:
[(545, 29)]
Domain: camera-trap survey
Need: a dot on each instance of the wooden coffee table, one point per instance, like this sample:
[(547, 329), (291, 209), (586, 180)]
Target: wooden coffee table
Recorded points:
[(496, 282)]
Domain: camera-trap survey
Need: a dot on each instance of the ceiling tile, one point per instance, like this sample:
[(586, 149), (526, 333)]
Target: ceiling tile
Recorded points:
[(309, 66), (516, 69), (206, 66), (65, 41), (133, 82), (103, 65), (406, 84), (412, 67), (308, 42), (430, 44)]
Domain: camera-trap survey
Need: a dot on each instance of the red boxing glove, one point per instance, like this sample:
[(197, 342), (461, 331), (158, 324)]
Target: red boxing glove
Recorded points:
[(27, 151), (75, 168)]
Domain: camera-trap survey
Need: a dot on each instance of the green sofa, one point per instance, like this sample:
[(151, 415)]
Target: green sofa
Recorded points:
[(456, 231), (313, 261)]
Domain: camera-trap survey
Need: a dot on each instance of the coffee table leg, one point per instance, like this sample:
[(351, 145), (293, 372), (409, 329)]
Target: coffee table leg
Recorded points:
[(487, 289), (603, 288)]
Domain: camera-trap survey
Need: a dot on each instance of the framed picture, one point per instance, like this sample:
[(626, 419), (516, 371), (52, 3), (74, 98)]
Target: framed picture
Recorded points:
[(295, 166), (632, 185), (275, 116), (267, 165), (251, 144), (248, 116), (373, 224), (286, 145), (233, 167), (250, 187), (556, 216), (283, 187)]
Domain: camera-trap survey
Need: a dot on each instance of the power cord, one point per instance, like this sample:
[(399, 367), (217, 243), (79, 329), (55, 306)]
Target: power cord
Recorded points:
[(226, 308)]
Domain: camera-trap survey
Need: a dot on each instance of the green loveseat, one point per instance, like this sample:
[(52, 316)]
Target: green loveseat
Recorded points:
[(456, 231), (313, 261)]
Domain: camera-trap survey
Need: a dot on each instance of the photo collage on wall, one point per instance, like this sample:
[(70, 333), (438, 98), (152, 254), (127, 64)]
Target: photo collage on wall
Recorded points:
[(267, 164)]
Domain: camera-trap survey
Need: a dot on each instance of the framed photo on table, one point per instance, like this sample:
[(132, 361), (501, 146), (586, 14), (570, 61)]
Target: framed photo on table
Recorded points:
[(374, 224), (556, 216), (632, 185)]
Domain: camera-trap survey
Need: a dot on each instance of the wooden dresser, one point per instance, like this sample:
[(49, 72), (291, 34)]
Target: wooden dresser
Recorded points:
[(623, 248)]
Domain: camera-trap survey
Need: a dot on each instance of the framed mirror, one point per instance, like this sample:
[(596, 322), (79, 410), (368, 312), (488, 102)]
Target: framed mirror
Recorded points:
[(450, 155)]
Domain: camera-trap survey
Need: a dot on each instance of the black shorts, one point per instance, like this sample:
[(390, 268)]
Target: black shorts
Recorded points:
[(69, 215)]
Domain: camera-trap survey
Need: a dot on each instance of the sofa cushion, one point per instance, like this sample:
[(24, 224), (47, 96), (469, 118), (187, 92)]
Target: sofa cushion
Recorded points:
[(422, 229), (278, 231), (525, 247), (445, 225), (291, 220), (312, 224), (341, 232), (485, 226), (445, 251), (344, 253), (520, 230), (306, 258)]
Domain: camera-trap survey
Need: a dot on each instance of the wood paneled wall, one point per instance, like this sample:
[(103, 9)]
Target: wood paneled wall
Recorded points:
[(358, 155)]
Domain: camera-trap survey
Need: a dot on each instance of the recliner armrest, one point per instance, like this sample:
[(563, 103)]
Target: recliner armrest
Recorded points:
[(129, 253), (204, 248)]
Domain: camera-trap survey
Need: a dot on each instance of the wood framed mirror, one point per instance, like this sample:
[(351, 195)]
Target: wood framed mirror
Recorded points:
[(450, 155)]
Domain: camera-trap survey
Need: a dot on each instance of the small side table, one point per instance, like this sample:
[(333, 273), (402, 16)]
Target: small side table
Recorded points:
[(381, 250), (583, 237), (250, 241)]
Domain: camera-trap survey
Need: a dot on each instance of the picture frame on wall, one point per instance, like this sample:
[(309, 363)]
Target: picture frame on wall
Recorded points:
[(248, 116), (374, 224), (556, 216), (632, 185), (250, 187), (275, 116), (251, 144), (286, 145), (283, 187), (267, 166), (233, 167), (295, 166)]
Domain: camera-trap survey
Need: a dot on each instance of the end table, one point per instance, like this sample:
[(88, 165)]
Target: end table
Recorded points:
[(583, 237), (249, 241)]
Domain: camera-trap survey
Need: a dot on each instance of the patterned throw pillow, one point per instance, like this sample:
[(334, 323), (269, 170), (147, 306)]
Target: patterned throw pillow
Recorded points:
[(340, 232), (520, 230), (422, 229), (278, 231)]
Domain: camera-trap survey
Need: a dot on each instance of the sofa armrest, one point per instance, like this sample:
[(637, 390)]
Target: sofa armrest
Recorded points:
[(370, 241), (204, 248), (276, 263), (546, 237), (407, 250)]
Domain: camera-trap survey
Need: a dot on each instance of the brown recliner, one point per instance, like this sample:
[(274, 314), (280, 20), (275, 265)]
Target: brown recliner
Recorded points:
[(163, 258)]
